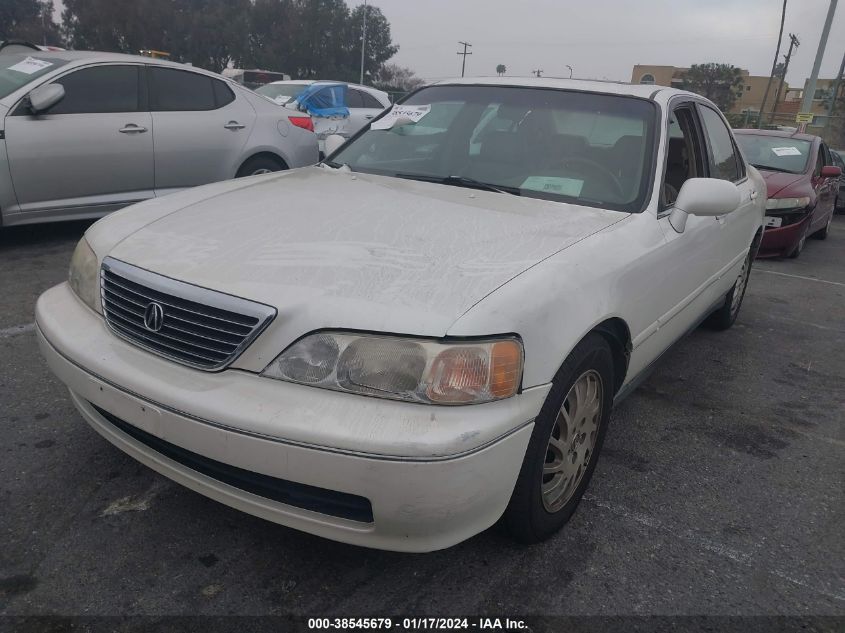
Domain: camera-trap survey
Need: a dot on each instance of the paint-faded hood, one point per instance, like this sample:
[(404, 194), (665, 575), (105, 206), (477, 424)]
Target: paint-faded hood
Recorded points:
[(331, 248)]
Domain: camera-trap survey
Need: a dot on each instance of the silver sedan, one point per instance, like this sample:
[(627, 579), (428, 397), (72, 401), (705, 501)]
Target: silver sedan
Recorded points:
[(83, 134)]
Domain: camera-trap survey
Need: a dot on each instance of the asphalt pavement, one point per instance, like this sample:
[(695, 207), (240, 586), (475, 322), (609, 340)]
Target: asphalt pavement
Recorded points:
[(720, 490)]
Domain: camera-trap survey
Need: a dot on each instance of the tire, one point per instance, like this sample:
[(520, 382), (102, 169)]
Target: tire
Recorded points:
[(531, 516), (799, 247), (260, 165), (725, 316), (822, 234)]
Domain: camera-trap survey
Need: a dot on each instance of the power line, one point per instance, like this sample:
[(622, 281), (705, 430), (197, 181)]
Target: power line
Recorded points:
[(464, 62)]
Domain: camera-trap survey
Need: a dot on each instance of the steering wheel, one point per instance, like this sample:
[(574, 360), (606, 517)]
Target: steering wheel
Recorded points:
[(599, 169)]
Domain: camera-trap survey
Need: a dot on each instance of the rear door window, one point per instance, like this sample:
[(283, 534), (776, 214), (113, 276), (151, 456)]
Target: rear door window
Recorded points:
[(181, 91), (353, 99), (370, 101)]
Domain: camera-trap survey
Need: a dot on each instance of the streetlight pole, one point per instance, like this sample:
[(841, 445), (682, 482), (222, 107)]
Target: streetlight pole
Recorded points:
[(810, 92), (363, 42), (570, 70)]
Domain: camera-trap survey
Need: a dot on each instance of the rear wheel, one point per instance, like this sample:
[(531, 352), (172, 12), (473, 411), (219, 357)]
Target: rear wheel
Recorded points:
[(258, 165), (565, 444)]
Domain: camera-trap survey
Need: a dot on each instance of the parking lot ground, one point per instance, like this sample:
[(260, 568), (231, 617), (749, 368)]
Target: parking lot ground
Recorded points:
[(721, 489)]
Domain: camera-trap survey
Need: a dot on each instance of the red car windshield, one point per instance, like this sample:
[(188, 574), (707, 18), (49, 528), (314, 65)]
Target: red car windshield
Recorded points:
[(775, 153)]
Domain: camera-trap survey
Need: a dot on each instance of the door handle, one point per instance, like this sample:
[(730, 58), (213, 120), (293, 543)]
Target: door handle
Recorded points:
[(369, 116), (131, 128), (234, 125)]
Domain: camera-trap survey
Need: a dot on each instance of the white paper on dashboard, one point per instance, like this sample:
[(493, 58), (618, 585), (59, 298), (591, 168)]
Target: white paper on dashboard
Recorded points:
[(410, 114), (786, 151), (30, 66)]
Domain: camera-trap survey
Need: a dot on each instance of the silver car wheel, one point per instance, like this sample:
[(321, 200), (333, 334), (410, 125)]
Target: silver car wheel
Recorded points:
[(739, 288), (572, 441), (259, 172)]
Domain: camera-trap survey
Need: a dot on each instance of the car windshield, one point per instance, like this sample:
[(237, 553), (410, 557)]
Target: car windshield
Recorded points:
[(562, 145), (775, 153), (281, 92), (18, 70)]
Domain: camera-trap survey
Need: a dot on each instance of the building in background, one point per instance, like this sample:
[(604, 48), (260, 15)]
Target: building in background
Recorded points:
[(748, 99)]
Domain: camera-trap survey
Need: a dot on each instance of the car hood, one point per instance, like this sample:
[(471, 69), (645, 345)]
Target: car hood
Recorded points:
[(332, 248), (777, 181)]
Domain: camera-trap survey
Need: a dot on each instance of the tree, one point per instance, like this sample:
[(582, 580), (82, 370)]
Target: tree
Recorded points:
[(30, 20), (501, 69), (396, 78), (379, 46), (717, 82)]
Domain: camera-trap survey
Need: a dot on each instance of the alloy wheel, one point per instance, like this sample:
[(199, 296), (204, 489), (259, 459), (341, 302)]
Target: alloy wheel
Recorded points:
[(572, 441), (739, 288)]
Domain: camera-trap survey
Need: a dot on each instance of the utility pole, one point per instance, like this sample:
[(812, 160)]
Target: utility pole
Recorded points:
[(774, 67), (793, 44), (538, 72), (464, 62), (810, 92), (363, 41), (834, 95)]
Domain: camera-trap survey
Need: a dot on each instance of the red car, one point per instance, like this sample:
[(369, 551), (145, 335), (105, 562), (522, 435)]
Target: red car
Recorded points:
[(802, 181)]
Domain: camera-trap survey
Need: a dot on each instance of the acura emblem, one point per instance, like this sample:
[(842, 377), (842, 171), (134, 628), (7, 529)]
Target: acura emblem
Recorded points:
[(154, 317)]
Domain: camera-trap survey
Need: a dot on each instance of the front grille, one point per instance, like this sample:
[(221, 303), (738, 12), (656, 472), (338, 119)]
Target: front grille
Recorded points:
[(192, 325), (330, 502)]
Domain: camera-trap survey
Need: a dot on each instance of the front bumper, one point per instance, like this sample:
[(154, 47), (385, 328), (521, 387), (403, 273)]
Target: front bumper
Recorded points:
[(782, 241), (429, 476)]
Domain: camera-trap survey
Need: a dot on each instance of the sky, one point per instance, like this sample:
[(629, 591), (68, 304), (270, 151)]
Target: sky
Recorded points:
[(603, 39)]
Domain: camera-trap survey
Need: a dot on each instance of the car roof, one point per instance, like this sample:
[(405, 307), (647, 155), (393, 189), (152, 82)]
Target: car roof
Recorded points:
[(644, 91), (780, 133), (80, 57), (328, 82)]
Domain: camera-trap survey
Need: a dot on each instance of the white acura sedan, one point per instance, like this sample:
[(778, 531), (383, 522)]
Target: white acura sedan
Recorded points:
[(427, 332)]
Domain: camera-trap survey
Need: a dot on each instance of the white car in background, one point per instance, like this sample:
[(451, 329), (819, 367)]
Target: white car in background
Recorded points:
[(364, 104), (426, 332)]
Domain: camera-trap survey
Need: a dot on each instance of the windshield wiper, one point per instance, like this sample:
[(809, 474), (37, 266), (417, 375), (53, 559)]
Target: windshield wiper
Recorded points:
[(770, 168), (462, 181)]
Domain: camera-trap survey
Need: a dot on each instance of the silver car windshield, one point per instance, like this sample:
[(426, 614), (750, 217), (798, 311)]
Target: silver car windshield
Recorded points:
[(775, 153), (18, 70), (562, 145)]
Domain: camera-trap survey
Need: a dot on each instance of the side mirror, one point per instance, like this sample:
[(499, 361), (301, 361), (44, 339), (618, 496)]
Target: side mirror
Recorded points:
[(45, 97), (831, 171), (333, 143), (705, 197)]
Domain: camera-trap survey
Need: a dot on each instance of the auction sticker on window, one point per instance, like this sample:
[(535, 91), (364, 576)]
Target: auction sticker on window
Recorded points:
[(401, 115), (549, 184), (786, 151), (30, 66)]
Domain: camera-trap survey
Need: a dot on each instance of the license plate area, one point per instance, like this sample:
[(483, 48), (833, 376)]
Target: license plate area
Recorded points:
[(773, 222)]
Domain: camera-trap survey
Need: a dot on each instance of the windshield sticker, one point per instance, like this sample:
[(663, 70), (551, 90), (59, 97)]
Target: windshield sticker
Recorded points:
[(549, 184), (786, 151), (401, 115), (30, 66)]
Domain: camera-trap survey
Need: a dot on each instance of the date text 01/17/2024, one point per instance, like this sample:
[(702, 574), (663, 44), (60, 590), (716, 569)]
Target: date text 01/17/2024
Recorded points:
[(417, 623)]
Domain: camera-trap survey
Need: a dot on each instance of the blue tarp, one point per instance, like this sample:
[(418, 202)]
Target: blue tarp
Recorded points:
[(324, 100)]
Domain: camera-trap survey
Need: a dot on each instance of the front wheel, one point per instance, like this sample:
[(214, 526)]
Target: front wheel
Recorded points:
[(724, 317), (565, 444), (799, 247), (822, 234)]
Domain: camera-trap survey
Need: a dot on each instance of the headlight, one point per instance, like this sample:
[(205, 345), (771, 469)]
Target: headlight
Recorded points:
[(787, 203), (84, 276), (416, 370)]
